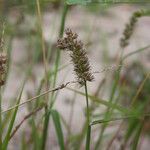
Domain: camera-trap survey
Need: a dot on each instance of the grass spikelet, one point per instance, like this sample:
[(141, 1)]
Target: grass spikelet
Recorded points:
[(78, 56)]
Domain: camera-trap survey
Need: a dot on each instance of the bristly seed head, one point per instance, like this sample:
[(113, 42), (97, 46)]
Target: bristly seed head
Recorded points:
[(129, 28), (78, 56)]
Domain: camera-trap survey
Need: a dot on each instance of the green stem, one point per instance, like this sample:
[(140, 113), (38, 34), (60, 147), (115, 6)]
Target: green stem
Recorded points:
[(137, 136), (88, 137), (87, 104), (88, 119), (45, 128)]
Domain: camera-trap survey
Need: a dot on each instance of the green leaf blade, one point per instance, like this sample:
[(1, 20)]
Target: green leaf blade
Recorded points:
[(58, 128)]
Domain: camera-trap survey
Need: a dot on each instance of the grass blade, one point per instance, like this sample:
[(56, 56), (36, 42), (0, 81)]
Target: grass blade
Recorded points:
[(7, 137), (137, 136), (45, 128), (56, 120), (103, 102), (136, 51)]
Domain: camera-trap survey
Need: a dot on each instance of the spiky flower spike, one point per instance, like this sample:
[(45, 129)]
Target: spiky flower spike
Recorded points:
[(78, 56), (129, 28)]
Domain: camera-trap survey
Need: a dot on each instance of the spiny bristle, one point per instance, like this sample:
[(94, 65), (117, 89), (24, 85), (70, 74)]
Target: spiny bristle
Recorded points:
[(78, 56)]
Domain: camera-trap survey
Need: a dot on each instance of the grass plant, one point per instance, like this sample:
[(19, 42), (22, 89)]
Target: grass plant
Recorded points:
[(125, 106)]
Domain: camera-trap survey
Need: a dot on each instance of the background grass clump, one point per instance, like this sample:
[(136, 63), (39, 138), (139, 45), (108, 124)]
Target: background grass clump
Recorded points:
[(42, 88)]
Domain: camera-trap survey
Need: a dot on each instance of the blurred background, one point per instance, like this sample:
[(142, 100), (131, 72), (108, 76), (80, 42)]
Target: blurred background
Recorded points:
[(100, 27)]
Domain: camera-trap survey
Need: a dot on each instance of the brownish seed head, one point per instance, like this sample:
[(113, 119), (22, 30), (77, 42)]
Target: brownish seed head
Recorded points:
[(78, 56)]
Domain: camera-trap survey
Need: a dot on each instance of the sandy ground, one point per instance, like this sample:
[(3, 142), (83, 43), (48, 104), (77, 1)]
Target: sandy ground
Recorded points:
[(103, 32)]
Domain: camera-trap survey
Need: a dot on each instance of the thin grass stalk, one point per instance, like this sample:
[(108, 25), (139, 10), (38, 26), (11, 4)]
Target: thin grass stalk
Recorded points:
[(88, 118), (46, 121), (137, 136), (45, 65), (88, 137), (45, 128), (130, 116), (36, 97), (43, 49), (139, 89), (136, 51), (87, 104), (103, 102), (24, 119), (42, 38)]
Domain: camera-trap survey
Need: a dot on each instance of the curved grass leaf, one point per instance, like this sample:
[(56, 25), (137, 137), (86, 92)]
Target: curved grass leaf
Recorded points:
[(103, 102), (135, 52)]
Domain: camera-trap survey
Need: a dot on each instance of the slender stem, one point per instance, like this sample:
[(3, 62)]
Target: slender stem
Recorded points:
[(36, 97), (88, 119), (139, 89), (88, 137), (87, 104), (45, 128), (137, 136), (42, 38), (24, 119)]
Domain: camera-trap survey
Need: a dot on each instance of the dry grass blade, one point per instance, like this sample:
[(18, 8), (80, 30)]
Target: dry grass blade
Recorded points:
[(24, 119), (140, 89), (34, 98)]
